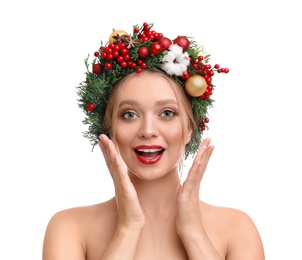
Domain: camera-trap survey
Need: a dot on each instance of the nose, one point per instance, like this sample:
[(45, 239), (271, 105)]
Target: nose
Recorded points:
[(148, 127)]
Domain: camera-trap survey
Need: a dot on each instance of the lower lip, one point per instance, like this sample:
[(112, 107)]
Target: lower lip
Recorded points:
[(149, 160)]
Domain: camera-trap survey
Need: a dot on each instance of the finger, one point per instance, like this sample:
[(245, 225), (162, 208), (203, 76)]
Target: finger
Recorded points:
[(114, 161), (200, 163), (202, 158), (101, 144), (104, 148), (111, 156)]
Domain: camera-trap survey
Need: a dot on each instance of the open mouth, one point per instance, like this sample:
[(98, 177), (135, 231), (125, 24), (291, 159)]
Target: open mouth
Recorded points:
[(149, 153)]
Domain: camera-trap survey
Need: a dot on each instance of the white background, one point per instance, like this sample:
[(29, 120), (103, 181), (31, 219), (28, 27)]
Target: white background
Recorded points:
[(46, 163)]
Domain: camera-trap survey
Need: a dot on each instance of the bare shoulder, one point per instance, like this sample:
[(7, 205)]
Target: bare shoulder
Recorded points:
[(70, 231), (226, 215), (83, 217), (237, 229)]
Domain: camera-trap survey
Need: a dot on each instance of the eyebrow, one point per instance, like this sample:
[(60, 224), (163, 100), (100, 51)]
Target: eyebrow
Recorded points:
[(159, 103)]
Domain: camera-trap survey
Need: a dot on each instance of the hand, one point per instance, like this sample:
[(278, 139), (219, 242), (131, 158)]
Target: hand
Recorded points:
[(130, 213), (188, 215)]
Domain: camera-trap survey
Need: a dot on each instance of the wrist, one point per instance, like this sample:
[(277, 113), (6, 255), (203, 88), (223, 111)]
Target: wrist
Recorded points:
[(191, 233), (130, 228)]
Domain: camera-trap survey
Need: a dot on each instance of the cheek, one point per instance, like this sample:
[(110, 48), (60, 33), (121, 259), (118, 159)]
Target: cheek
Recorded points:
[(123, 135), (174, 133)]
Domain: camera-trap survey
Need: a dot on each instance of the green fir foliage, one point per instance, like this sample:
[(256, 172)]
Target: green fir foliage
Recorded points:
[(97, 88)]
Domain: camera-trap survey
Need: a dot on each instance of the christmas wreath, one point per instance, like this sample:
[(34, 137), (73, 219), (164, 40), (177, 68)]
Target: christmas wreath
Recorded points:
[(144, 48)]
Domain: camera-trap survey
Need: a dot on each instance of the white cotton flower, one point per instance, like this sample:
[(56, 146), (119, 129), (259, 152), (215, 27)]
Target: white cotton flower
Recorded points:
[(169, 57), (168, 68), (179, 69), (175, 62), (176, 49), (183, 59)]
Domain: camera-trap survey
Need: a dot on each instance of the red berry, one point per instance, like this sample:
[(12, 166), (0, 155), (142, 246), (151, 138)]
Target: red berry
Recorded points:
[(123, 64), (115, 54), (90, 107), (120, 58), (97, 68), (183, 42), (206, 120), (185, 75), (202, 127), (108, 65), (116, 47), (124, 51), (200, 58), (104, 55), (109, 56), (127, 57), (108, 50)]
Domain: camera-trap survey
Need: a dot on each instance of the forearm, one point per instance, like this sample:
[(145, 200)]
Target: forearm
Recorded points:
[(123, 244), (199, 246)]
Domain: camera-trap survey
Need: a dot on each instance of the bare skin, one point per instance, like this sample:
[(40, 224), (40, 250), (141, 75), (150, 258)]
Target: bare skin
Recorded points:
[(87, 232), (152, 216)]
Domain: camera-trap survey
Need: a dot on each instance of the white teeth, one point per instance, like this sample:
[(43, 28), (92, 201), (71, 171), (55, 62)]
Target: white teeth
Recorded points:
[(149, 150)]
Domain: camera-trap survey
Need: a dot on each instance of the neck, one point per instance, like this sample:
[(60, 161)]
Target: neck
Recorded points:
[(158, 199), (157, 196)]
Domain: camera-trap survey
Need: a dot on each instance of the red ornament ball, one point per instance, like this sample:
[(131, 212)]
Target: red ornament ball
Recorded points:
[(156, 48), (183, 42), (90, 106), (164, 42), (143, 52), (97, 68)]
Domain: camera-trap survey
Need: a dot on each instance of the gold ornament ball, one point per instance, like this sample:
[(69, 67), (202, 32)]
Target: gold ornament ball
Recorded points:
[(195, 85), (115, 33)]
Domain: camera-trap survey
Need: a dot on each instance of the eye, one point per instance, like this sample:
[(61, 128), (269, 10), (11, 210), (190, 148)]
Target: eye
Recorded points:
[(167, 114), (129, 115)]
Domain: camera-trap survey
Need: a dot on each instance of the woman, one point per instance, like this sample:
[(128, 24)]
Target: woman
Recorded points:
[(150, 119)]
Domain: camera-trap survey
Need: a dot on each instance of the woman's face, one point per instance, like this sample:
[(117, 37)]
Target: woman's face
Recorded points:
[(148, 129)]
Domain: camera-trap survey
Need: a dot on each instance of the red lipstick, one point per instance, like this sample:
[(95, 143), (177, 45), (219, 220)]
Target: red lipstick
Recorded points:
[(149, 154)]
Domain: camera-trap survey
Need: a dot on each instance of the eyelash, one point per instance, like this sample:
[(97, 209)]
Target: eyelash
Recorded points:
[(125, 114), (171, 112), (163, 114)]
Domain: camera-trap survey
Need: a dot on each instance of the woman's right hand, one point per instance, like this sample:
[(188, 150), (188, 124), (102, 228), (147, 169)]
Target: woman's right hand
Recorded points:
[(130, 213)]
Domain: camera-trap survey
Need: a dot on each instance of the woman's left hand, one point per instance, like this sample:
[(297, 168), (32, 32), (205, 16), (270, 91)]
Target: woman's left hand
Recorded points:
[(189, 216)]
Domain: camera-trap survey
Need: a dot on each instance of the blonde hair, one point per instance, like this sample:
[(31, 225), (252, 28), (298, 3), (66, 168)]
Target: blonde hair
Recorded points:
[(186, 113)]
